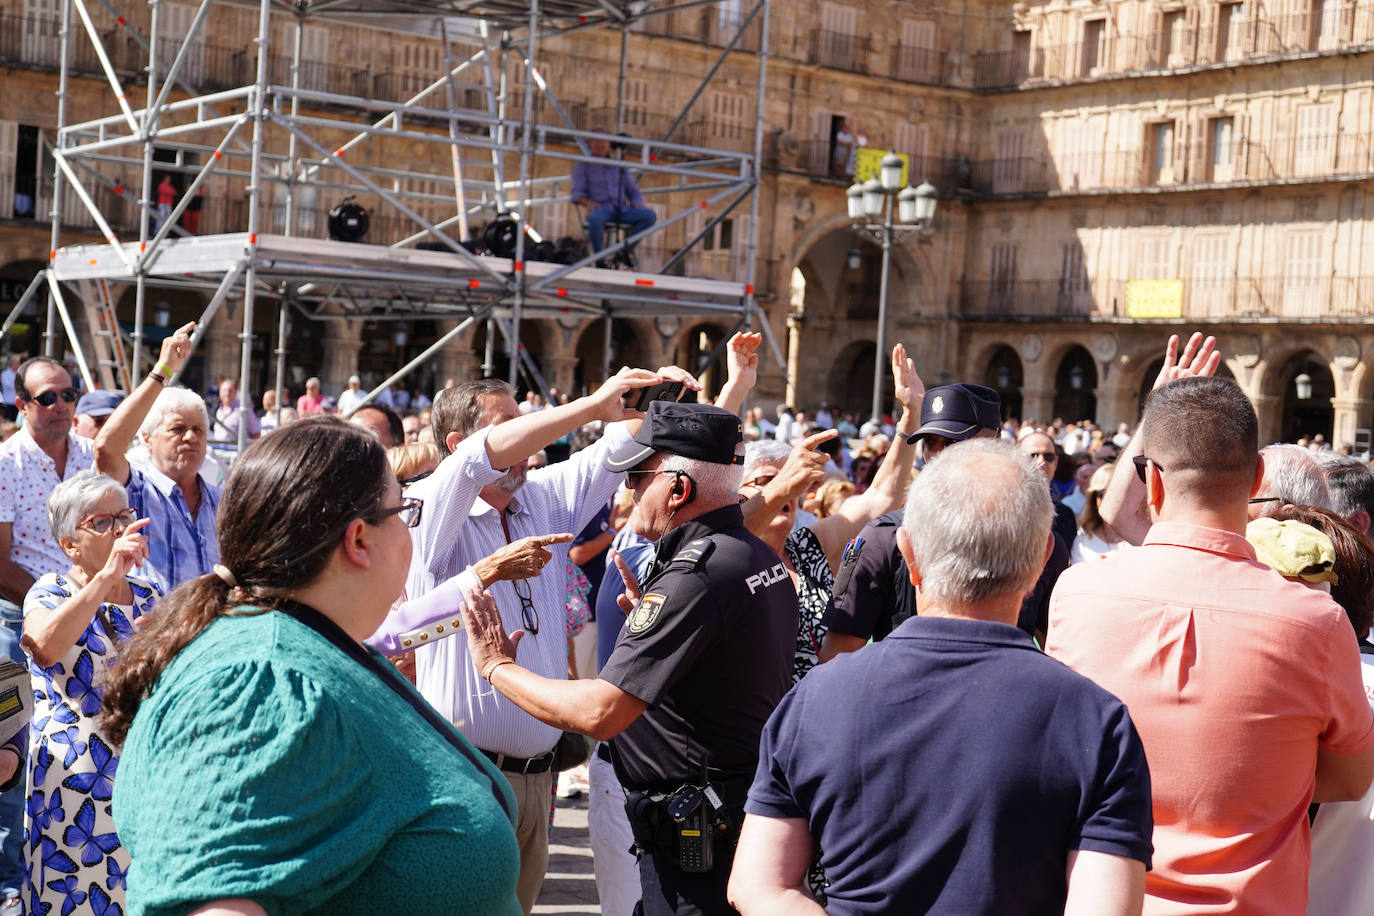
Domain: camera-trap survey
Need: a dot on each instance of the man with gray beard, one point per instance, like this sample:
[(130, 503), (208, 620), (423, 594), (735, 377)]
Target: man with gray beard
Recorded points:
[(480, 499)]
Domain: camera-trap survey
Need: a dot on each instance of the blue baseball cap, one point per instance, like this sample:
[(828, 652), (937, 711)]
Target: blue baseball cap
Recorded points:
[(98, 403)]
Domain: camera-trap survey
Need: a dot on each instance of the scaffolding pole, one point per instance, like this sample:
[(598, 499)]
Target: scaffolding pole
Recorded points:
[(526, 138)]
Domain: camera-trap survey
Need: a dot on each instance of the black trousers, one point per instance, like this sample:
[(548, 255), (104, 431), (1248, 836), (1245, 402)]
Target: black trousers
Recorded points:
[(669, 891)]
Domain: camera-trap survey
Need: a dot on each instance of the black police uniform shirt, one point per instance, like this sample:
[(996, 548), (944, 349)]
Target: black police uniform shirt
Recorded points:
[(873, 593), (951, 768), (709, 647)]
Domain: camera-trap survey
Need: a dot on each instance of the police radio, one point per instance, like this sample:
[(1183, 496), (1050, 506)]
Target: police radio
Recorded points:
[(694, 827)]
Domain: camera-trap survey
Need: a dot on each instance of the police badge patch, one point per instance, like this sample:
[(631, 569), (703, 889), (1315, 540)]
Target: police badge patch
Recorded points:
[(645, 613)]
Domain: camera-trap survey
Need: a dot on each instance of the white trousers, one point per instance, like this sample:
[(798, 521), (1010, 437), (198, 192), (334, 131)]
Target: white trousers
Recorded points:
[(617, 874)]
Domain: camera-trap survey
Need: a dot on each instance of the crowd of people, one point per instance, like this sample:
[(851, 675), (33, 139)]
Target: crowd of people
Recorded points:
[(941, 661)]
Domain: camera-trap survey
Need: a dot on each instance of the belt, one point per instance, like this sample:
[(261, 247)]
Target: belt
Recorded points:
[(525, 766)]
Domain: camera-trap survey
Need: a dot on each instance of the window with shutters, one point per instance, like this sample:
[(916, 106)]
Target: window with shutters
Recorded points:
[(636, 108), (1154, 258), (918, 54), (914, 140), (1093, 54), (1026, 61), (1173, 39), (1075, 296), (836, 43), (1221, 148), (1002, 279), (1303, 270), (1314, 140), (174, 24), (650, 250), (39, 43), (1230, 31), (1210, 280), (729, 126), (1009, 167), (1161, 152)]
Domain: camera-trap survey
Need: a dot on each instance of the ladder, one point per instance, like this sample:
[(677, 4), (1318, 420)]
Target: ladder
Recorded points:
[(111, 361)]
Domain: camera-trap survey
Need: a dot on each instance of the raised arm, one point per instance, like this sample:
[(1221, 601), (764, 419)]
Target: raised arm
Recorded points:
[(518, 438), (888, 490), (1123, 505), (743, 360), (804, 466), (112, 442)]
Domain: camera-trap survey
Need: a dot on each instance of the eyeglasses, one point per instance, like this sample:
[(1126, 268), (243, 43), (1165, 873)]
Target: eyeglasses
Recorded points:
[(529, 617), (408, 510), (633, 473), (1139, 462), (1263, 499), (49, 398), (103, 523)]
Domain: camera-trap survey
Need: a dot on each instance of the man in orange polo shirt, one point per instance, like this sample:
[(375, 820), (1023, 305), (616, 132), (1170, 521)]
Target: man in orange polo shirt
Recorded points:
[(1245, 687)]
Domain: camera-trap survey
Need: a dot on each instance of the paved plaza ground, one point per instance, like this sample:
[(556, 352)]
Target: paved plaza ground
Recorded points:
[(570, 886)]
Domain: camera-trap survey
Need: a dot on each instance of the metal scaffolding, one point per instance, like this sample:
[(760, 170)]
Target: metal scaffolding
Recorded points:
[(280, 142)]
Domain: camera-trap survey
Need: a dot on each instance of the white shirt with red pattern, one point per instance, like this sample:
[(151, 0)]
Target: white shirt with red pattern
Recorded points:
[(27, 478)]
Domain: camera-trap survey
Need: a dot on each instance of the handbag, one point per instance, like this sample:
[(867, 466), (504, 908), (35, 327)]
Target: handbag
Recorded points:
[(572, 750)]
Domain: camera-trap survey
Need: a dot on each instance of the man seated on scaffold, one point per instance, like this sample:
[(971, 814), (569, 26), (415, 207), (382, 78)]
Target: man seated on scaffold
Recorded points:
[(610, 195)]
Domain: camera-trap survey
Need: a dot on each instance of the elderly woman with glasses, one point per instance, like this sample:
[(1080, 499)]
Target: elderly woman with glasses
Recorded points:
[(74, 626), (271, 763)]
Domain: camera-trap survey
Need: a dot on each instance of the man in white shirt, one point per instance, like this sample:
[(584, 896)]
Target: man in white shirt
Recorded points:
[(477, 501), (352, 396)]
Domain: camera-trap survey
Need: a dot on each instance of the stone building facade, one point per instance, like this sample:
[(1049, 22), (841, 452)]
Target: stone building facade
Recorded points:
[(1109, 173)]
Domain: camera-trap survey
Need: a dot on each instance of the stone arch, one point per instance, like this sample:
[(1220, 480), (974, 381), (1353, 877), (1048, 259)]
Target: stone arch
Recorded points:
[(1004, 372), (1076, 375), (851, 378), (25, 335), (627, 349), (693, 350), (1303, 407)]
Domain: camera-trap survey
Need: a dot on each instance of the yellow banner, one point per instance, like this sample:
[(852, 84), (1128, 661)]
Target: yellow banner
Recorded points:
[(867, 160), (1154, 298)]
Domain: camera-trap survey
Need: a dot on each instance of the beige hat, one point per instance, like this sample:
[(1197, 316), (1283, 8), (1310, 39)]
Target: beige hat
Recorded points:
[(1294, 550)]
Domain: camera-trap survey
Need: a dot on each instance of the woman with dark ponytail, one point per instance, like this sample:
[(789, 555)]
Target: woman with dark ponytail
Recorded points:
[(273, 764)]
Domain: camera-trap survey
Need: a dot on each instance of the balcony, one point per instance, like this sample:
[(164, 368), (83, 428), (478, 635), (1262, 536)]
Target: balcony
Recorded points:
[(1281, 157), (1233, 40), (839, 51), (1298, 297)]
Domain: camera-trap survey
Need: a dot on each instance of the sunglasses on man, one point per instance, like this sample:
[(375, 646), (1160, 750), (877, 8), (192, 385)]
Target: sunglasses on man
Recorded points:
[(49, 398)]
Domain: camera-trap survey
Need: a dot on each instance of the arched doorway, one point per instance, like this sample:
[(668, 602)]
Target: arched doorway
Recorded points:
[(530, 338), (627, 349), (26, 334), (851, 380), (1006, 376), (699, 351), (1074, 382), (1308, 388)]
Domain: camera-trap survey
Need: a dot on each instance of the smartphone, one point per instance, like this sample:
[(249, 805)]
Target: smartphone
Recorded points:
[(663, 391)]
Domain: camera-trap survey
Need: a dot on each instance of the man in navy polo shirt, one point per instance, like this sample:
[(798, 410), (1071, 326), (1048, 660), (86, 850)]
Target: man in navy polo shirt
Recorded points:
[(953, 768)]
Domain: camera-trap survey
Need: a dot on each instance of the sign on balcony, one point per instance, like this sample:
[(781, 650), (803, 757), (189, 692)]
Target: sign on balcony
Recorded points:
[(1154, 298), (867, 160)]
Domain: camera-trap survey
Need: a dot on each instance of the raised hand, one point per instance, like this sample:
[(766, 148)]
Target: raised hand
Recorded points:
[(1200, 359), (804, 466), (608, 399), (627, 600), (488, 643), (176, 349), (742, 357), (128, 552), (909, 387)]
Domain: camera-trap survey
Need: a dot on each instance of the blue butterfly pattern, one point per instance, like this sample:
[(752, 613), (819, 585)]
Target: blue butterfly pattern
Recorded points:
[(75, 863)]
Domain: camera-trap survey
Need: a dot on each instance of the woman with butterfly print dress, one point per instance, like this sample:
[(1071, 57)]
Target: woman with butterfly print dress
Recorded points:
[(74, 624)]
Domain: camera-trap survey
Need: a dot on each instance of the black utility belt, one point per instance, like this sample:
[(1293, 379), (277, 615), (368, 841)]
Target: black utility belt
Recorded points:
[(525, 766), (683, 827)]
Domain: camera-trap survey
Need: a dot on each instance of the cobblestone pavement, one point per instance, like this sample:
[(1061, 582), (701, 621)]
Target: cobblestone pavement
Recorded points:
[(570, 885)]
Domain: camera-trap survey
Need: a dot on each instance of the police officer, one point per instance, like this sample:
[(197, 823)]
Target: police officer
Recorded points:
[(873, 592), (704, 657)]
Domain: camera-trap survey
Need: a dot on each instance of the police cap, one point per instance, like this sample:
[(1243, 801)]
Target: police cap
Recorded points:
[(697, 431), (958, 411)]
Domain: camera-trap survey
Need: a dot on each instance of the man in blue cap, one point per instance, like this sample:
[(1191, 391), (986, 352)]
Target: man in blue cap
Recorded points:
[(704, 657), (93, 410), (873, 592)]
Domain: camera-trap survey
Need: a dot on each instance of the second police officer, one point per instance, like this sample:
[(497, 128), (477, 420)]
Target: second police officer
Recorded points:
[(704, 657)]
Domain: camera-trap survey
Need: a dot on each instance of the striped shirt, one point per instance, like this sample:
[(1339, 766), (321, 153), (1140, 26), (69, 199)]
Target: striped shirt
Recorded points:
[(179, 547), (457, 528)]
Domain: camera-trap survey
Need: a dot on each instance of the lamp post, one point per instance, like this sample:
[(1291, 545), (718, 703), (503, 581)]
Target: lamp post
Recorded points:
[(870, 206)]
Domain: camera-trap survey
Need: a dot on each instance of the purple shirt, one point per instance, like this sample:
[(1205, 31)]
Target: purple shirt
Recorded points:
[(608, 184)]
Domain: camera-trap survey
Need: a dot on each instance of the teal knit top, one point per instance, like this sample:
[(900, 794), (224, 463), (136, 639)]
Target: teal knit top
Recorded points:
[(268, 764)]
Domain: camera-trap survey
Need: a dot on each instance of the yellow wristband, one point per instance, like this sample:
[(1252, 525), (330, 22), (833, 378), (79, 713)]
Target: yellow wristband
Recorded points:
[(164, 370)]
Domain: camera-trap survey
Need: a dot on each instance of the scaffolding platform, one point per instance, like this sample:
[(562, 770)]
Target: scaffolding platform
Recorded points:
[(347, 278)]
